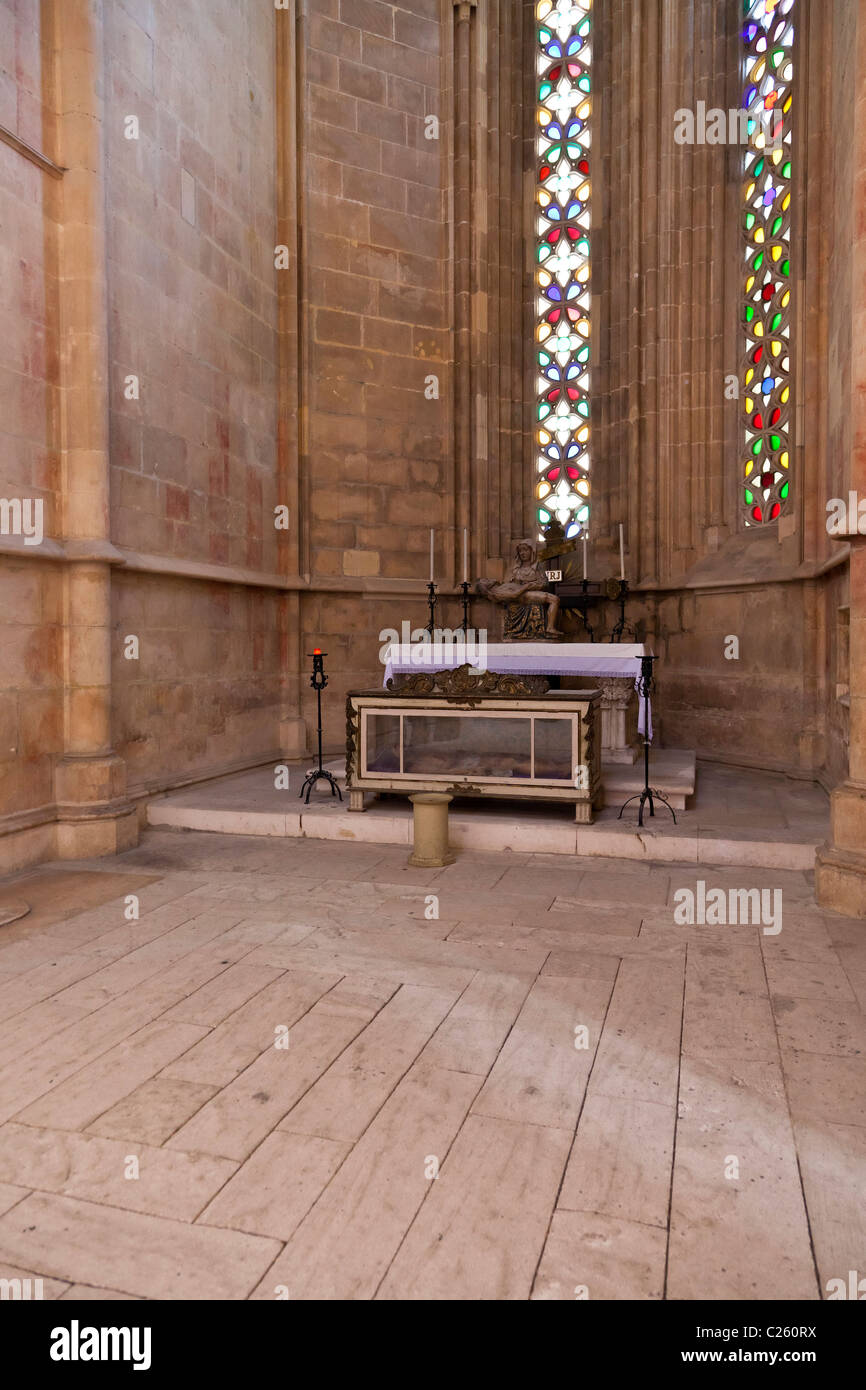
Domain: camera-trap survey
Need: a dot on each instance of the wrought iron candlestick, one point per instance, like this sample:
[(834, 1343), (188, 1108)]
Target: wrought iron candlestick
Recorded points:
[(582, 609), (318, 680), (644, 686), (431, 604), (620, 598), (465, 601)]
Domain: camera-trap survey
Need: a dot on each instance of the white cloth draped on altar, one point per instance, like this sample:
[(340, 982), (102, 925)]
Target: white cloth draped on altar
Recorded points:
[(606, 659)]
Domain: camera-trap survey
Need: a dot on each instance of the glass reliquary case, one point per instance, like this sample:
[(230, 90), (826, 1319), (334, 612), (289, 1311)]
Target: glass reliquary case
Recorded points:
[(493, 742)]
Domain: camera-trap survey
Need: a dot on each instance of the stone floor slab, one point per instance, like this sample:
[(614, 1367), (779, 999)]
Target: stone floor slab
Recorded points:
[(594, 1257), (250, 1106), (735, 1163), (724, 1075), (76, 1102), (480, 1233), (112, 1172), (621, 1161), (639, 1052), (343, 1101), (153, 1111), (274, 1189), (347, 1242), (150, 1256), (540, 1075)]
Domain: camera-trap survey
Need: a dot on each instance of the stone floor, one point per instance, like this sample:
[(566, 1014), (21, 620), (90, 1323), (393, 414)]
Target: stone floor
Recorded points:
[(737, 816), (309, 1071)]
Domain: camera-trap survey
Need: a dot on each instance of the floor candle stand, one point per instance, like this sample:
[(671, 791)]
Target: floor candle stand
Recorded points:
[(645, 685), (318, 680), (465, 601), (620, 597), (431, 604), (583, 606)]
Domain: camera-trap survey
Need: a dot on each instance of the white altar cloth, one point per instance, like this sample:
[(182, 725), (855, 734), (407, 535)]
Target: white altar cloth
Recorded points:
[(523, 659)]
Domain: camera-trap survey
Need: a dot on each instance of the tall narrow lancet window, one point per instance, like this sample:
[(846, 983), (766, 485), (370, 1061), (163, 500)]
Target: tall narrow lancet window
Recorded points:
[(562, 273), (768, 67)]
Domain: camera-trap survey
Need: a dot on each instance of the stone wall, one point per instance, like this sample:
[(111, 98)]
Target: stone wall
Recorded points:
[(31, 613), (668, 435), (165, 387), (841, 395), (204, 695), (841, 866), (140, 353), (193, 316), (416, 284), (376, 280)]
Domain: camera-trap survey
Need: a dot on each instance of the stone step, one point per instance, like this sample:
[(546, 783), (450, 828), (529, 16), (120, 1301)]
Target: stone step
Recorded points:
[(248, 804), (672, 772)]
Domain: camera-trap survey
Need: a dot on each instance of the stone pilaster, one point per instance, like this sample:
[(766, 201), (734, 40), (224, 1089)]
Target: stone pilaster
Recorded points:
[(840, 876), (94, 815), (292, 407), (492, 78), (841, 864)]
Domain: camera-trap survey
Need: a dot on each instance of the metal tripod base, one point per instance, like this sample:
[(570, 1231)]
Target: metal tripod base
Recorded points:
[(646, 796), (312, 778)]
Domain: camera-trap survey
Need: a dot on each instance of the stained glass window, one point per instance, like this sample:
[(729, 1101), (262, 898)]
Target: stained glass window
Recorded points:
[(768, 65), (562, 274)]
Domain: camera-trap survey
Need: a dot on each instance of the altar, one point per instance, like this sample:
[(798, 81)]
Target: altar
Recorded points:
[(609, 667), (475, 734)]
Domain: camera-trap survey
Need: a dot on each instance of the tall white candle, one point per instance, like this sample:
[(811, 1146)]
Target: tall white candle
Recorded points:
[(431, 554), (584, 557), (465, 555), (621, 554)]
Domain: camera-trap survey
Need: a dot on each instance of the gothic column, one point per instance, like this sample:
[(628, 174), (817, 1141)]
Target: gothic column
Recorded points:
[(491, 79), (94, 814), (662, 294), (841, 864), (465, 147), (293, 421)]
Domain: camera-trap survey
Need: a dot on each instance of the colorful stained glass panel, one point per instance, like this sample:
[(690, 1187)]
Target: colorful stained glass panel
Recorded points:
[(562, 275), (765, 393)]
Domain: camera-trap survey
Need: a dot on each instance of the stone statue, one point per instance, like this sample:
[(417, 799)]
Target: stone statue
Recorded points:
[(531, 610)]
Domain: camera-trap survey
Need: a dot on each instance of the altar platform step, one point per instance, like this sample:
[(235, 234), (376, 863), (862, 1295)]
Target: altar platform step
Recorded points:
[(736, 816), (672, 772)]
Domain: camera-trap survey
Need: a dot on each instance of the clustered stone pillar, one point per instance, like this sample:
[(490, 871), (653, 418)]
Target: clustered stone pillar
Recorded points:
[(492, 79), (293, 422), (94, 814), (841, 864)]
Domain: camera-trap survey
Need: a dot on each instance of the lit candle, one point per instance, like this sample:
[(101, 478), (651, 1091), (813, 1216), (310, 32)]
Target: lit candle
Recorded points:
[(621, 555), (431, 554), (584, 557), (465, 555)]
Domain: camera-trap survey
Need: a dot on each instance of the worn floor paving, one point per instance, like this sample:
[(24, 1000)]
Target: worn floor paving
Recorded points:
[(306, 1070)]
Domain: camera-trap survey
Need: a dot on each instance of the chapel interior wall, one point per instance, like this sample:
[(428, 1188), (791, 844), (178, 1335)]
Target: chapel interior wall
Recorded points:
[(31, 611), (395, 395)]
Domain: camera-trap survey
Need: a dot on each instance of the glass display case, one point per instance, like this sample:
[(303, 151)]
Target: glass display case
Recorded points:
[(542, 747)]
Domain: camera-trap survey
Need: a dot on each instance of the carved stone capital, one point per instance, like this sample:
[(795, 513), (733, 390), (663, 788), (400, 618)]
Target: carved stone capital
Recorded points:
[(616, 690)]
